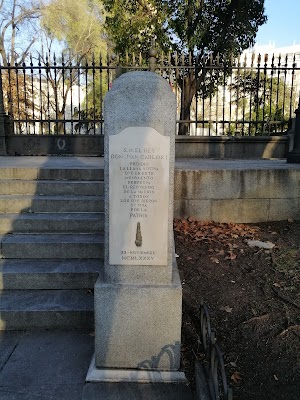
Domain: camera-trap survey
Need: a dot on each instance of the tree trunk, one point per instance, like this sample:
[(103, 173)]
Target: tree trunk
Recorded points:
[(60, 124), (188, 91)]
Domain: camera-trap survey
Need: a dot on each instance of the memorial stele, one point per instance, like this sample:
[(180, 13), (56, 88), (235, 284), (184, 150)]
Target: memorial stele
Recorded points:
[(138, 293)]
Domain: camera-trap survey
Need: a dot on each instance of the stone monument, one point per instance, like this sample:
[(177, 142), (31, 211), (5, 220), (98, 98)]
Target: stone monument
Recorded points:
[(138, 294)]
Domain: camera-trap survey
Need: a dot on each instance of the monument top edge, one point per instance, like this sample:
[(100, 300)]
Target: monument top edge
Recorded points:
[(140, 77)]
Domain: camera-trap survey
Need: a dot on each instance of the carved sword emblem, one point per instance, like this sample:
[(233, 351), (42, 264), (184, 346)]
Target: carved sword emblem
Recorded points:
[(138, 235)]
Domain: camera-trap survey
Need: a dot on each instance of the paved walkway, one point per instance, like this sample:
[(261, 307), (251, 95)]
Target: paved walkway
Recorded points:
[(53, 366)]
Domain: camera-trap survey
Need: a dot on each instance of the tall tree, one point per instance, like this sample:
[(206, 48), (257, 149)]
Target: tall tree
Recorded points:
[(17, 29), (201, 30), (75, 27)]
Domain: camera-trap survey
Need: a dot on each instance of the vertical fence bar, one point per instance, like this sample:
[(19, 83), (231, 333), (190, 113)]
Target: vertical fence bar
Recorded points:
[(48, 76), (278, 81), (101, 92), (94, 94), (217, 93), (284, 91), (17, 92), (41, 103), (72, 111), (86, 112), (251, 79), (257, 92), (224, 95), (292, 87), (271, 116), (64, 92), (78, 78), (238, 94), (244, 98), (196, 68), (264, 93), (55, 94), (210, 94), (2, 117), (32, 96)]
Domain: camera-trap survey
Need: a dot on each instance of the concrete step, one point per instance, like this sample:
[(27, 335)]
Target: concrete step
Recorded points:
[(44, 173), (50, 204), (27, 246), (52, 222), (51, 188), (46, 309), (49, 274)]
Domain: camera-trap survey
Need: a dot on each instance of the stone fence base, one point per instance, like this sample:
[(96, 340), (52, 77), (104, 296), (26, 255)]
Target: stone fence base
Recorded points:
[(242, 191)]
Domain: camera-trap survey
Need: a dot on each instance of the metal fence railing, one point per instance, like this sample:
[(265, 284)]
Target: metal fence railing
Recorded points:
[(248, 95), (214, 366)]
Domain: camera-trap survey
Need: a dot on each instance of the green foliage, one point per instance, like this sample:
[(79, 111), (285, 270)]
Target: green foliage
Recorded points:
[(77, 24), (199, 26), (198, 29)]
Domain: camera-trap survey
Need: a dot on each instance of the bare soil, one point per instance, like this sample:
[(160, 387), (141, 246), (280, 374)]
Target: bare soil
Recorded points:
[(254, 302)]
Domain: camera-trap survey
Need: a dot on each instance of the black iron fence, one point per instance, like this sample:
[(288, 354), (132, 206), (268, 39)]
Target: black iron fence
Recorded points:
[(214, 366), (248, 95)]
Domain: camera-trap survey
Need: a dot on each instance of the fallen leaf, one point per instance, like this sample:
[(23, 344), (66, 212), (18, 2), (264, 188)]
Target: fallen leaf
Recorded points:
[(221, 252), (189, 258), (275, 377), (214, 260), (233, 364), (231, 256), (236, 377), (277, 285)]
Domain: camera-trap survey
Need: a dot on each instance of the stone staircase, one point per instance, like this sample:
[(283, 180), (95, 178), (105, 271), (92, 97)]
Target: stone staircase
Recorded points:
[(51, 238)]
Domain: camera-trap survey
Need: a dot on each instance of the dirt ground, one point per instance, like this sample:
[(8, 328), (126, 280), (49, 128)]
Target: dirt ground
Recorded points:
[(254, 302)]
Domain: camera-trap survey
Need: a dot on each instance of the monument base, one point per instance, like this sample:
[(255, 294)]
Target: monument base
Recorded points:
[(138, 327), (129, 375)]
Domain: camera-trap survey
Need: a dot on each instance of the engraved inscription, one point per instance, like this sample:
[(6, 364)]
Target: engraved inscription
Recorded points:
[(138, 197)]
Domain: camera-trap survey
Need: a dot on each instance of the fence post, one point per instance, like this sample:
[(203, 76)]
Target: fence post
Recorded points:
[(152, 58), (3, 151), (294, 155)]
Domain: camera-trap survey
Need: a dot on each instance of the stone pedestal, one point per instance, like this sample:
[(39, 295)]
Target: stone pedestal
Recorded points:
[(138, 326), (138, 294)]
